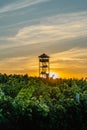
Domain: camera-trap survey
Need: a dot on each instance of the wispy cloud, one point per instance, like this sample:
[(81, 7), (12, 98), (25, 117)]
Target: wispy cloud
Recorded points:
[(76, 55), (21, 65), (71, 63), (19, 5), (67, 62), (47, 36), (74, 27), (63, 18)]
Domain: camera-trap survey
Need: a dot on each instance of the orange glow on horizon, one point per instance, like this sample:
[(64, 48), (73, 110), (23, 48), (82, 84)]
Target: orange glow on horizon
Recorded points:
[(57, 74)]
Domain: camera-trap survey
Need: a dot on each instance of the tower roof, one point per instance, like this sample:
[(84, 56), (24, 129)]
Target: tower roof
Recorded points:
[(43, 56)]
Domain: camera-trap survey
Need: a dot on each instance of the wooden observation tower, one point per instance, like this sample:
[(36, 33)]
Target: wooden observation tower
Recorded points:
[(44, 66)]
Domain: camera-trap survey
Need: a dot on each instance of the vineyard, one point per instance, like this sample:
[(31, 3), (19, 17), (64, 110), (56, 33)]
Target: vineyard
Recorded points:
[(32, 103)]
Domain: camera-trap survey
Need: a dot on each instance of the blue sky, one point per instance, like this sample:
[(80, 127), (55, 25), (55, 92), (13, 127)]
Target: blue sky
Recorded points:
[(30, 27)]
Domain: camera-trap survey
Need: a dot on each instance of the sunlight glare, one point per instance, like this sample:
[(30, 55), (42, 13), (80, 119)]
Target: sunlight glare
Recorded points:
[(53, 75)]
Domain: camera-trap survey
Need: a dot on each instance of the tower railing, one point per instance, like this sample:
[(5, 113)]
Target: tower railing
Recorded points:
[(44, 66)]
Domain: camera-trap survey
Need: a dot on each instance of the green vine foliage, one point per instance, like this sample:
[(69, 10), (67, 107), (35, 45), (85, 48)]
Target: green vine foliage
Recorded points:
[(33, 103)]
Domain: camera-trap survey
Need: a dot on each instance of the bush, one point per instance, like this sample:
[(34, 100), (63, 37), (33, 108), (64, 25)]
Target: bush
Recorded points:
[(30, 102)]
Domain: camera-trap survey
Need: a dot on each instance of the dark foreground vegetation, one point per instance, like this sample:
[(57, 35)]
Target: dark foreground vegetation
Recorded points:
[(30, 103)]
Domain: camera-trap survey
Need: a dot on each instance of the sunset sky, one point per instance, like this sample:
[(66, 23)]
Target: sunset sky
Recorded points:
[(29, 28)]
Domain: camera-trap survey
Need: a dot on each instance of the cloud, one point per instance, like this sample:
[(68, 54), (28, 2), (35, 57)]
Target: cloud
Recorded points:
[(19, 65), (72, 54), (47, 37), (65, 40), (70, 63), (67, 27), (73, 58), (63, 18), (20, 4)]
